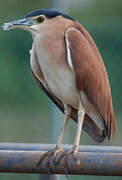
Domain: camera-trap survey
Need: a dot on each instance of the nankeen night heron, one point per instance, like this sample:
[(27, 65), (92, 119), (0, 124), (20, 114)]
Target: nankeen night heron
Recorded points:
[(69, 68)]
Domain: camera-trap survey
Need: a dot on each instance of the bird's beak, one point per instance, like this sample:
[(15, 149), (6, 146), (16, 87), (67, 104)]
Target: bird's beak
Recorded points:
[(21, 24)]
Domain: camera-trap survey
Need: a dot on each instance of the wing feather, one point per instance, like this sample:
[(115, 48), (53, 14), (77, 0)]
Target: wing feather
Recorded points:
[(90, 73), (89, 126)]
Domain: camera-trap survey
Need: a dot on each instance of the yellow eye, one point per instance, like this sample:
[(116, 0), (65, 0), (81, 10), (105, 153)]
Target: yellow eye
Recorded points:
[(40, 19)]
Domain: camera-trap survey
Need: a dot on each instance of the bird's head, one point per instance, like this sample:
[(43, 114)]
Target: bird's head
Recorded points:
[(35, 20)]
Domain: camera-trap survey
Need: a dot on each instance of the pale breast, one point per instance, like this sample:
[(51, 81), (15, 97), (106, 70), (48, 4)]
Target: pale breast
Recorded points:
[(60, 80)]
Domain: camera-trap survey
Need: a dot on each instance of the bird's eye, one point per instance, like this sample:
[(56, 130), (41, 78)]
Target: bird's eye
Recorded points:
[(40, 19)]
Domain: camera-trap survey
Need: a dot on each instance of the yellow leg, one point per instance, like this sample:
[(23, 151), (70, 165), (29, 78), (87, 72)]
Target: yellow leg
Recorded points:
[(74, 149), (67, 114), (81, 113), (58, 148)]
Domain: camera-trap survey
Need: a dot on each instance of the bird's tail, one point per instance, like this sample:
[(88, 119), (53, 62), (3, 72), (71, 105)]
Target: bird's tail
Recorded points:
[(95, 126), (91, 127), (94, 130)]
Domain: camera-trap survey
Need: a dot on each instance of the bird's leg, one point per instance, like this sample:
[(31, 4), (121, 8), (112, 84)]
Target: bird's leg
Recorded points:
[(74, 149), (67, 114), (58, 147), (81, 113)]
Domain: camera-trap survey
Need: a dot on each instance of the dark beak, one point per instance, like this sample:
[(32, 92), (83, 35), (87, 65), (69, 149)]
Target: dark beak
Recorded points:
[(21, 24)]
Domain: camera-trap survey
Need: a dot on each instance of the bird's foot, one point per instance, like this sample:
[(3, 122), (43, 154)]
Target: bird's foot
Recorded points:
[(72, 152), (58, 156), (65, 157), (51, 154)]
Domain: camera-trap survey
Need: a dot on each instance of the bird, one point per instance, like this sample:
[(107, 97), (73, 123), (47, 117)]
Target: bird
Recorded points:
[(69, 68)]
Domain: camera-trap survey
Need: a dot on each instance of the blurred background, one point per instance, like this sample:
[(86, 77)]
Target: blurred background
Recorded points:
[(26, 114)]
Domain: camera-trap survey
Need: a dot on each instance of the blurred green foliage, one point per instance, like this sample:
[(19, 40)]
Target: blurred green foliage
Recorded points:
[(99, 9), (24, 109)]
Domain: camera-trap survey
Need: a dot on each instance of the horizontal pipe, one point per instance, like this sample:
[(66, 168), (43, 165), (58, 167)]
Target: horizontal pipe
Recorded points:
[(47, 147), (87, 163)]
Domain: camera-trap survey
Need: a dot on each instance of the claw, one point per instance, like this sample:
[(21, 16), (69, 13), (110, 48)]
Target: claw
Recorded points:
[(49, 155), (73, 152), (57, 154), (59, 158), (67, 155)]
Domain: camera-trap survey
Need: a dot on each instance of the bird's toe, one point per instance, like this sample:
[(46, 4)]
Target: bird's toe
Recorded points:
[(49, 156)]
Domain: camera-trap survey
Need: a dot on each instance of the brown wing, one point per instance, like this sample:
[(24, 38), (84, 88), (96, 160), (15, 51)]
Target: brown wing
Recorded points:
[(90, 73), (89, 126)]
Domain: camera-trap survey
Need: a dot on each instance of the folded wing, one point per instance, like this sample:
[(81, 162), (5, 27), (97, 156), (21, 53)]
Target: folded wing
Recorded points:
[(90, 73)]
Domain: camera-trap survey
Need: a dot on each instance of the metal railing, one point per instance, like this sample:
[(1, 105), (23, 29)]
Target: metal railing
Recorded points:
[(91, 160)]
